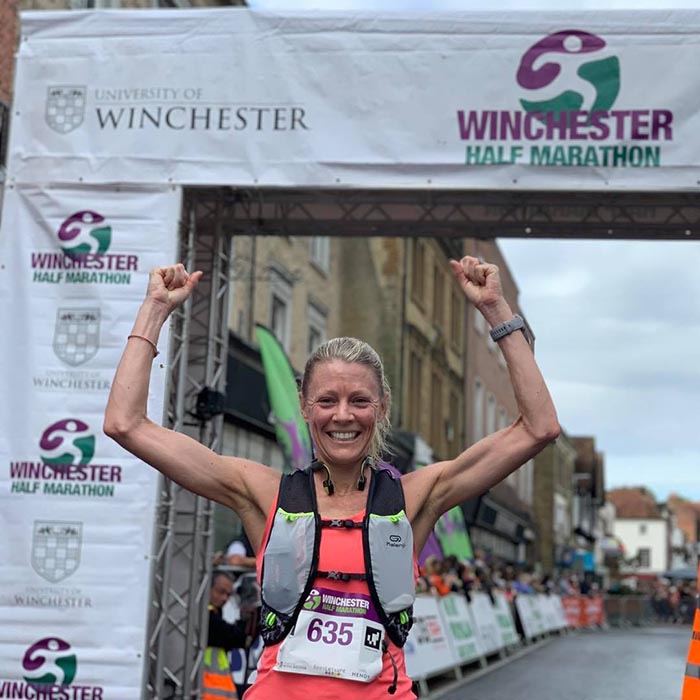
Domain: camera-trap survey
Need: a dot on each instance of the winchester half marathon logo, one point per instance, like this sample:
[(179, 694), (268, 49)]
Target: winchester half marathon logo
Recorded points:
[(161, 108), (84, 239), (569, 85), (65, 467), (49, 669)]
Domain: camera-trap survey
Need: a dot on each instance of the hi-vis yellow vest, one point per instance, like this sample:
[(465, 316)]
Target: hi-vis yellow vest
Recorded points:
[(217, 682)]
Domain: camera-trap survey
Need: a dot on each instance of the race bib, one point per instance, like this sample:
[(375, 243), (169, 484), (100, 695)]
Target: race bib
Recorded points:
[(337, 635)]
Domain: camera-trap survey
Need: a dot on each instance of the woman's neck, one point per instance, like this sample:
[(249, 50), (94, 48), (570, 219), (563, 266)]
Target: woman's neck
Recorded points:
[(345, 480)]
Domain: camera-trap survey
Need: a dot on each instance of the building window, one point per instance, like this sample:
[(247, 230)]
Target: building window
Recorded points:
[(280, 308), (319, 252), (644, 556), (642, 529), (490, 414), (318, 327), (456, 316), (414, 393), (478, 421), (418, 271), (438, 297), (436, 425)]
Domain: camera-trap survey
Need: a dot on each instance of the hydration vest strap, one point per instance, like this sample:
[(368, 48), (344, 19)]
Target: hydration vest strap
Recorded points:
[(340, 523), (340, 576)]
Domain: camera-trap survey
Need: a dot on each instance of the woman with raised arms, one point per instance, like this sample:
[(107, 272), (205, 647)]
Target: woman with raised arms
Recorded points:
[(336, 543)]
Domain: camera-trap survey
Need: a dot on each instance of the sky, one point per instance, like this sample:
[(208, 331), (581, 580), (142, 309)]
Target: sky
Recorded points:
[(617, 322)]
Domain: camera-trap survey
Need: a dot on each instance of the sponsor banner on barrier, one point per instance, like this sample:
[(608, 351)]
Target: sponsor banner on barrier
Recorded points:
[(549, 615), (572, 610), (488, 629), (427, 648), (546, 100), (459, 621), (558, 606), (592, 611), (504, 617), (530, 615), (78, 511)]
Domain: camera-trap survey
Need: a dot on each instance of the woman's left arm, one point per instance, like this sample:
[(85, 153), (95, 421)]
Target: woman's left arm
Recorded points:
[(433, 490)]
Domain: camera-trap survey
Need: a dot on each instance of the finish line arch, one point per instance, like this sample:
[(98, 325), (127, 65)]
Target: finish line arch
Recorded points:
[(383, 137)]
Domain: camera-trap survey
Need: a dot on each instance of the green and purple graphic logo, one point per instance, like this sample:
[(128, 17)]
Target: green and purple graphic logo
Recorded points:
[(567, 113), (85, 232), (314, 599), (50, 661), (567, 73), (67, 441)]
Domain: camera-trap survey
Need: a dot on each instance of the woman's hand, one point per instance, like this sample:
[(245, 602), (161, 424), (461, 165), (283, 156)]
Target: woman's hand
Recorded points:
[(171, 285), (480, 281)]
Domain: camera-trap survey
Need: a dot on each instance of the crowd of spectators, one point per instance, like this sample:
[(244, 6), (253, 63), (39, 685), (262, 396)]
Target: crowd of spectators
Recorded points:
[(451, 575), (673, 603)]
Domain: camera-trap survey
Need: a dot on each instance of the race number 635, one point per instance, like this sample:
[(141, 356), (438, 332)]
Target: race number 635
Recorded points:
[(329, 632)]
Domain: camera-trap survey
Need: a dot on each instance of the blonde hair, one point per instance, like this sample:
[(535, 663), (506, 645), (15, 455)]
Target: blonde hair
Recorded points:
[(353, 350)]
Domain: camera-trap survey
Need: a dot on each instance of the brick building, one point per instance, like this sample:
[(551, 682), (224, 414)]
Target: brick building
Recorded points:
[(553, 504), (8, 39), (501, 522)]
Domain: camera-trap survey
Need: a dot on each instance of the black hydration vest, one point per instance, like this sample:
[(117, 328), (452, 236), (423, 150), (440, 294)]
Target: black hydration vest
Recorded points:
[(290, 560)]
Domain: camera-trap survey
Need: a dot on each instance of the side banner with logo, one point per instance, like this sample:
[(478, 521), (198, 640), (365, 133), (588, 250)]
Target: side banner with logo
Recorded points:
[(77, 512), (540, 100)]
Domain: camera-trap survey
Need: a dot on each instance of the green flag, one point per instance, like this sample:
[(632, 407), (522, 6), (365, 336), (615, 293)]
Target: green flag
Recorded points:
[(291, 429), (453, 535)]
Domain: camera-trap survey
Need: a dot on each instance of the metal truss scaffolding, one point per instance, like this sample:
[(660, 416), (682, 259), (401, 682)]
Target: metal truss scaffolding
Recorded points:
[(179, 594), (178, 618), (472, 214)]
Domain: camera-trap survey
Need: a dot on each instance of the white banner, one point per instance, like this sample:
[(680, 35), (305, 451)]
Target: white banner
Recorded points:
[(77, 511), (504, 617), (463, 100), (427, 648), (488, 629), (530, 615), (459, 620)]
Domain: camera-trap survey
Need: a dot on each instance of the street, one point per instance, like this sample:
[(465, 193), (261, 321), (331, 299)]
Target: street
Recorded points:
[(644, 664)]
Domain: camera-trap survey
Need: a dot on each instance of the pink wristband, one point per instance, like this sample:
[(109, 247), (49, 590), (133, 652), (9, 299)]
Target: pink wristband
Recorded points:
[(150, 342)]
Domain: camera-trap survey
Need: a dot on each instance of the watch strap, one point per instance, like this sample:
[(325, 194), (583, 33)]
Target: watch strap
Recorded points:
[(503, 329)]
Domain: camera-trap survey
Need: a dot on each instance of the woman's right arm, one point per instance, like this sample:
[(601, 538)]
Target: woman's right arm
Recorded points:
[(247, 487)]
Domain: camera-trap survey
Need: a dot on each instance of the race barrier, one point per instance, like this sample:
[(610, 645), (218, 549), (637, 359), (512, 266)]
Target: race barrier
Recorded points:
[(451, 632), (582, 611)]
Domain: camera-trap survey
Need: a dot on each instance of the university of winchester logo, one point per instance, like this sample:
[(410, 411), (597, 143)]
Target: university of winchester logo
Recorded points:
[(56, 549), (65, 107), (76, 336)]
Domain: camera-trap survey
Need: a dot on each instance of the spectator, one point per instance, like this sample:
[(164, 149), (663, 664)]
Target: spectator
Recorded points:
[(240, 552), (217, 681)]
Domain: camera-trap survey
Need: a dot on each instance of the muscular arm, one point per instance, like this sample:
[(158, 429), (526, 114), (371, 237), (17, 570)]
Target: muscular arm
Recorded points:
[(245, 486), (433, 490)]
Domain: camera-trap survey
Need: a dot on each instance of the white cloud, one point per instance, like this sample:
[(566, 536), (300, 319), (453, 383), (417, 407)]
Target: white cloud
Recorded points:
[(621, 353)]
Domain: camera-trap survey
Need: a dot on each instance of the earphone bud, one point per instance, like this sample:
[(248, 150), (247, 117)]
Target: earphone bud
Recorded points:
[(328, 481)]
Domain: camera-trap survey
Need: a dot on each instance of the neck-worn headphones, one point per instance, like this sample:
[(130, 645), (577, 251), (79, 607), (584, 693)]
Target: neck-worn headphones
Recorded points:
[(328, 481)]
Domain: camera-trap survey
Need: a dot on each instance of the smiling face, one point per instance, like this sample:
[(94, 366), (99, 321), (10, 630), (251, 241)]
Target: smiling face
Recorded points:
[(342, 407)]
